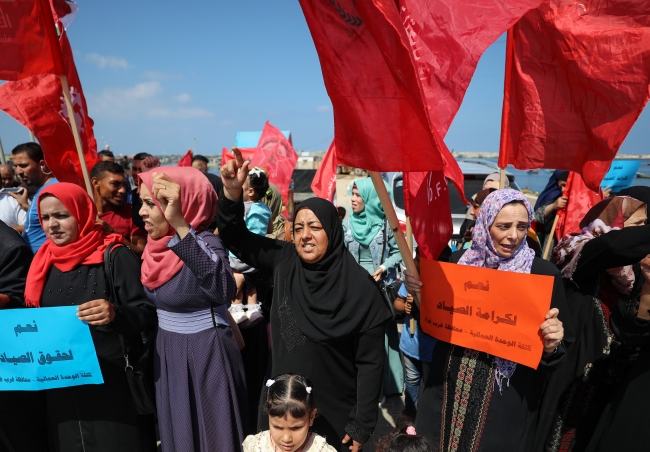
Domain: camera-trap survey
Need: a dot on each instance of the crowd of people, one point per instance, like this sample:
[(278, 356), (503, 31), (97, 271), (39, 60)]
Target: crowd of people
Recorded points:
[(263, 335)]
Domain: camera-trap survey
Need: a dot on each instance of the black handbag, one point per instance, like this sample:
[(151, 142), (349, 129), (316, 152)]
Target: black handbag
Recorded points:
[(139, 356)]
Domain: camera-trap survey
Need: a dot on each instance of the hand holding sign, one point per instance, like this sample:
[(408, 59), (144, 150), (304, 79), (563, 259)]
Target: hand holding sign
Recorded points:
[(552, 331)]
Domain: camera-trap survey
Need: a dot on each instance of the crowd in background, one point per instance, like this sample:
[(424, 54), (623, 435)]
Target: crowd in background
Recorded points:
[(264, 334)]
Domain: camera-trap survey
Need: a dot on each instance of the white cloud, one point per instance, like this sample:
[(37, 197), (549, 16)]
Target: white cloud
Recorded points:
[(323, 108), (180, 113), (103, 61), (183, 98), (154, 75), (146, 99)]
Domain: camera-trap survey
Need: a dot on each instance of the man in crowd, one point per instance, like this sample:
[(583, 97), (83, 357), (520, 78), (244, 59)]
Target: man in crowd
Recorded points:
[(106, 156), (142, 162), (33, 171), (200, 163), (109, 185), (8, 176), (10, 211)]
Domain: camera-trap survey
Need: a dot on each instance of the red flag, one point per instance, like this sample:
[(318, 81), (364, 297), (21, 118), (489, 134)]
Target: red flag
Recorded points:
[(37, 103), (447, 38), (247, 154), (26, 47), (380, 119), (427, 204), (581, 199), (186, 160), (578, 80), (276, 155), (324, 183)]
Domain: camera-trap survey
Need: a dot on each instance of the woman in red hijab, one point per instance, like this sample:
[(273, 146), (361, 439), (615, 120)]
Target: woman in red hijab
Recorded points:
[(69, 270)]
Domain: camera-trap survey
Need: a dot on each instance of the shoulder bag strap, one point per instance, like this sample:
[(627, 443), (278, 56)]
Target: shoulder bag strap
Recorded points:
[(108, 270)]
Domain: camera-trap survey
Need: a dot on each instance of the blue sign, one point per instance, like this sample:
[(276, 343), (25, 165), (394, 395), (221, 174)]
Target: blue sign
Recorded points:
[(621, 174), (45, 348)]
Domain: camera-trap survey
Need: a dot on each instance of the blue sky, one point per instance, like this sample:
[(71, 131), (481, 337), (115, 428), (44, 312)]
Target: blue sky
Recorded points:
[(157, 74)]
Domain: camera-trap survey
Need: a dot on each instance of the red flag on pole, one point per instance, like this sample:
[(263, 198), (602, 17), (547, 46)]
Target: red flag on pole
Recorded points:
[(578, 80), (25, 46), (275, 154), (324, 183), (246, 153), (580, 200), (37, 103), (186, 160)]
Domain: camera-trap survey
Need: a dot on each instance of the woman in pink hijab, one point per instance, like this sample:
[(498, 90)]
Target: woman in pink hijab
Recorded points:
[(200, 383)]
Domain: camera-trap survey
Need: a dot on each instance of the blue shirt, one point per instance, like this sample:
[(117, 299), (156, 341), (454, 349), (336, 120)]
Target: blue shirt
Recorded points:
[(33, 233), (418, 346)]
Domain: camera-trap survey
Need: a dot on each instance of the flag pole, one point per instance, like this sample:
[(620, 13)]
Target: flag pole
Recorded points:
[(75, 134), (3, 160), (391, 217), (549, 238), (51, 31), (409, 242), (505, 111)]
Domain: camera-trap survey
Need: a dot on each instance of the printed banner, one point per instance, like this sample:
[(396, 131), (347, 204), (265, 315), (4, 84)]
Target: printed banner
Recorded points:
[(621, 175), (492, 311), (45, 348)]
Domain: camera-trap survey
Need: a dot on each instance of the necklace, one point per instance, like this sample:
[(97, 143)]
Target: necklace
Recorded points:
[(300, 449)]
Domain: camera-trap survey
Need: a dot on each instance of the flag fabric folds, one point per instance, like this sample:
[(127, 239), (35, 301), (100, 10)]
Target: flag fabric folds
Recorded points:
[(186, 160), (324, 183), (25, 46), (275, 154), (578, 80), (37, 103), (426, 198), (580, 200), (380, 120)]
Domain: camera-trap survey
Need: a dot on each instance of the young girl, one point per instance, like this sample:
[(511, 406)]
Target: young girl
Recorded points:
[(291, 411), (258, 217), (403, 439)]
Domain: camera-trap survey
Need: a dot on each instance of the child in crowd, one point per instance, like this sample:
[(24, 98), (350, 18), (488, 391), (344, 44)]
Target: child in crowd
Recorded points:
[(416, 348), (291, 410), (403, 439), (258, 217)]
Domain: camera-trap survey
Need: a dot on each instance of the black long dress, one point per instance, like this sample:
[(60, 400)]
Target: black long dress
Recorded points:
[(101, 418), (346, 375), (15, 259), (597, 362), (461, 386)]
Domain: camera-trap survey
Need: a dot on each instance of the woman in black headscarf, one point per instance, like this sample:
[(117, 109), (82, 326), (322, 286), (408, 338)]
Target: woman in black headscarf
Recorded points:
[(549, 201), (327, 319)]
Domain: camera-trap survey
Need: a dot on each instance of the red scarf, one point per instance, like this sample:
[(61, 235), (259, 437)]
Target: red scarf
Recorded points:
[(199, 206), (88, 249)]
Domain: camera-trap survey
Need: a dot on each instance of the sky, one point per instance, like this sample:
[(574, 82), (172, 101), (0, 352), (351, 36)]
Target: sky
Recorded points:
[(159, 74)]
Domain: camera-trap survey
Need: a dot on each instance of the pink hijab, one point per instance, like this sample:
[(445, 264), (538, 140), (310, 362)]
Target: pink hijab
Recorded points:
[(199, 206)]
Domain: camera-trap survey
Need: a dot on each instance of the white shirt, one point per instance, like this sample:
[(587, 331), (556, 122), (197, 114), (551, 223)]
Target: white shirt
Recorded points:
[(10, 211)]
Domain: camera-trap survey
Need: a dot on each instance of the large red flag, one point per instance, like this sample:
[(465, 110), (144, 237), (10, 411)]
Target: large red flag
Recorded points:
[(37, 103), (426, 199), (447, 39), (581, 199), (276, 155), (186, 160), (324, 183), (578, 80), (227, 155), (25, 45), (380, 119)]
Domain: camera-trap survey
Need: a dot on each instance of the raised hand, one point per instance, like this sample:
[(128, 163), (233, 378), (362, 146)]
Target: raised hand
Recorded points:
[(233, 175), (168, 194)]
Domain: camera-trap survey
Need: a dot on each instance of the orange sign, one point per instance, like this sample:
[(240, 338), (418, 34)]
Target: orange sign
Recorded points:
[(492, 311)]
